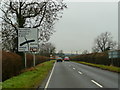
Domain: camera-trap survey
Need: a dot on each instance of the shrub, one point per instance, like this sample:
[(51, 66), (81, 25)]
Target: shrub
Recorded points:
[(97, 58), (11, 64), (40, 59), (29, 61)]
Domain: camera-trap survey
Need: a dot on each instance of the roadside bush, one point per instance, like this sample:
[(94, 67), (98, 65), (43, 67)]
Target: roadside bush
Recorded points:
[(41, 59), (97, 58), (38, 59), (11, 64), (29, 59)]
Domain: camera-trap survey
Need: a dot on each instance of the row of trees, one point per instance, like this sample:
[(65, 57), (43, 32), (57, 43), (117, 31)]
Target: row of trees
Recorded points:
[(40, 14)]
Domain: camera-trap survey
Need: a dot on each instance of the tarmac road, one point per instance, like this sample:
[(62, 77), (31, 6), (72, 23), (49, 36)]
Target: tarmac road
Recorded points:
[(75, 75)]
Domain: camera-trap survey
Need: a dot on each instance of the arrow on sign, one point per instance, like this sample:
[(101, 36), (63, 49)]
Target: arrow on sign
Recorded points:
[(26, 42)]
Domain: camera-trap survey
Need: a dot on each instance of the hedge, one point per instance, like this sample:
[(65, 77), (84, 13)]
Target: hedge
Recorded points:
[(13, 64), (97, 58)]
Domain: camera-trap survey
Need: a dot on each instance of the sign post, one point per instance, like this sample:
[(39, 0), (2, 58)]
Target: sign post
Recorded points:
[(34, 59), (34, 50), (25, 60), (27, 40), (113, 55)]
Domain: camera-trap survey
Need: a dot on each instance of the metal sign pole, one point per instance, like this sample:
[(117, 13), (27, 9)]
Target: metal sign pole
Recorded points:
[(34, 59), (25, 60), (112, 59)]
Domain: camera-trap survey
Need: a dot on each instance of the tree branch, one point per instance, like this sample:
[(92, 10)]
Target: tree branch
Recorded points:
[(9, 22), (11, 6), (29, 5), (41, 19), (36, 12)]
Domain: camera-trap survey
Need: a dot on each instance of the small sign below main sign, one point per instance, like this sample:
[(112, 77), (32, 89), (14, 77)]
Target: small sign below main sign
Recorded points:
[(27, 38)]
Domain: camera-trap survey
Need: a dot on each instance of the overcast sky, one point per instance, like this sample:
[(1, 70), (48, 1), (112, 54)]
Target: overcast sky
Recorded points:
[(82, 22)]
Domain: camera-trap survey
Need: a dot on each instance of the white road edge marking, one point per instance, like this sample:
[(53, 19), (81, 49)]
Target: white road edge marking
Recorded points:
[(97, 83), (50, 77), (80, 72)]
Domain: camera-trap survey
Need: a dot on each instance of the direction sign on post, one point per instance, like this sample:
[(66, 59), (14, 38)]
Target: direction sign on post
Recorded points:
[(114, 54), (27, 38)]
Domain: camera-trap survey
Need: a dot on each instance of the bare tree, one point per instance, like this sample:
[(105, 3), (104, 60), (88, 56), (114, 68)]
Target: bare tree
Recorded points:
[(40, 14), (104, 42), (47, 49)]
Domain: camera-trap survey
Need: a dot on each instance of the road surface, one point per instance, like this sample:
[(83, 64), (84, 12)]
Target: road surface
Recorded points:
[(75, 75)]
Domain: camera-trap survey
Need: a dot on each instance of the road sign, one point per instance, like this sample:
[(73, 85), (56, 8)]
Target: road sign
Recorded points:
[(27, 38), (114, 54)]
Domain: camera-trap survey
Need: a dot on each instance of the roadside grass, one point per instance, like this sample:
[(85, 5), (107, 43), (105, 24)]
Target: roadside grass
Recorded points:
[(0, 85), (30, 79), (110, 68)]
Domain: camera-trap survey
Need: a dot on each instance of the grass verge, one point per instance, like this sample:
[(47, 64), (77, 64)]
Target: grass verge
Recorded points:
[(30, 79), (110, 68), (0, 85)]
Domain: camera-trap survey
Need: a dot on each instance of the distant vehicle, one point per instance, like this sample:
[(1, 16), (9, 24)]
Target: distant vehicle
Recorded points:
[(59, 59), (66, 59)]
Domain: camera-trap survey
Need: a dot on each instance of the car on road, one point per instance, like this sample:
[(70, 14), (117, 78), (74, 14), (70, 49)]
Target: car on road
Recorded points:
[(59, 59), (66, 59)]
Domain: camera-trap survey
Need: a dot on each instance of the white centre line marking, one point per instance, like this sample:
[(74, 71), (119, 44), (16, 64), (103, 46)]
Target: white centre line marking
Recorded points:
[(97, 83), (46, 86), (74, 68), (80, 72)]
